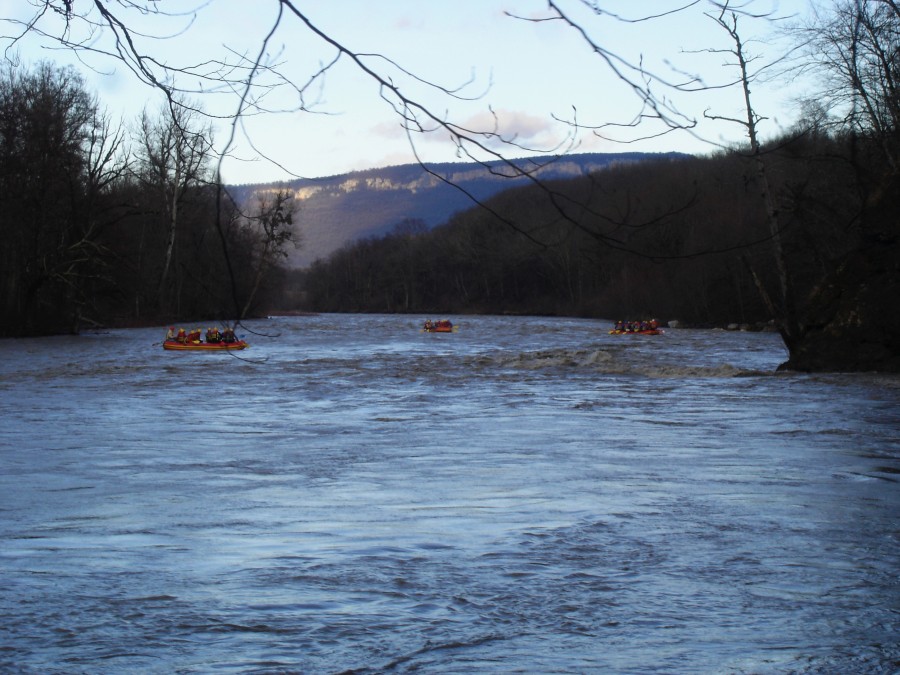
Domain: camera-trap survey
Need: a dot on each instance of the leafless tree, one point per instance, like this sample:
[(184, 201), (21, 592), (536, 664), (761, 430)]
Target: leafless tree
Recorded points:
[(739, 58), (273, 222), (56, 152), (856, 45), (173, 157)]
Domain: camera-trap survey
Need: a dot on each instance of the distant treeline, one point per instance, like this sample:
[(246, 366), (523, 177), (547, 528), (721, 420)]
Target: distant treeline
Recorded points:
[(102, 224), (675, 239)]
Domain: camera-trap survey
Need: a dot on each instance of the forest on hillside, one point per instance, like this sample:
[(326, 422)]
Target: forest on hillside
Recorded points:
[(682, 239)]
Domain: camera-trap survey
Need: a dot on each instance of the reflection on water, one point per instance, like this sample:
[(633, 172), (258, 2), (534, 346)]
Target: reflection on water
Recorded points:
[(526, 495)]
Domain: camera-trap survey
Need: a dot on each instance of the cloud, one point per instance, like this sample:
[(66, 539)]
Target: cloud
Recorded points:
[(391, 130), (503, 131), (510, 124), (518, 127)]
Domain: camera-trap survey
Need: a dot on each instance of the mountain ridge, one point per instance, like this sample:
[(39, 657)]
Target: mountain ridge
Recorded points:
[(337, 210)]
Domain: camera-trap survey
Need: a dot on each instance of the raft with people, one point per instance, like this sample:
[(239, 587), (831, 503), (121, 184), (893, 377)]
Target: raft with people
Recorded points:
[(215, 340), (441, 326), (637, 328)]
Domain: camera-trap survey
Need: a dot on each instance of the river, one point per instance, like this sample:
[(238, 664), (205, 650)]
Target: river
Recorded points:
[(525, 495)]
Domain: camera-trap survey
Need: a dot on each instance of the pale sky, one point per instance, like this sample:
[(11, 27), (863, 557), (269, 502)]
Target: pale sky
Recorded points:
[(525, 73)]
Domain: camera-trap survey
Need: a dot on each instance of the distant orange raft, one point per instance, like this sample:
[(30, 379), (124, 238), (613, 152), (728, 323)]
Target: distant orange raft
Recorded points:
[(175, 345), (442, 326)]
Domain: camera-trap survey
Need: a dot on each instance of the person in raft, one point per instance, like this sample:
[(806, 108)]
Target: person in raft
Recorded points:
[(228, 335), (212, 335), (636, 326)]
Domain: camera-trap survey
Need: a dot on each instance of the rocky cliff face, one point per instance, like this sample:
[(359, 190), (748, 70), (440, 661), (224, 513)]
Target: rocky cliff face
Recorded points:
[(853, 322)]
